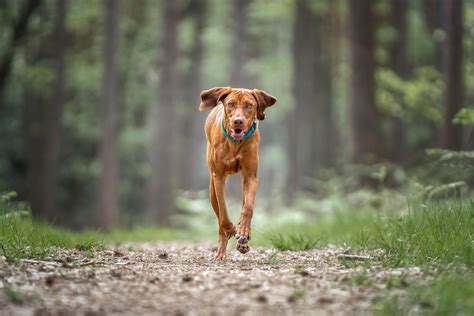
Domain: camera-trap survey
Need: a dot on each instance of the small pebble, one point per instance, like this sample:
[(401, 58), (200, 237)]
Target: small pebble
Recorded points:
[(163, 255), (262, 298)]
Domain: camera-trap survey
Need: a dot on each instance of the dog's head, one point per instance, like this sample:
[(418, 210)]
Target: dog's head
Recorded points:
[(241, 107)]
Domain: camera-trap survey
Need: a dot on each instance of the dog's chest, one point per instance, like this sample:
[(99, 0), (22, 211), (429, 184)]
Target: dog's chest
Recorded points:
[(230, 163)]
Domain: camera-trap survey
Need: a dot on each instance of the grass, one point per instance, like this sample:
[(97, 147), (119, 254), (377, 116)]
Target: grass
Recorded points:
[(429, 234), (13, 295), (436, 233), (293, 241), (21, 238), (438, 236), (447, 294), (148, 233), (338, 228)]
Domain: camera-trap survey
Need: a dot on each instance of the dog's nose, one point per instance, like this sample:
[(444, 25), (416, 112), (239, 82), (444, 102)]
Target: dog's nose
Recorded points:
[(238, 121)]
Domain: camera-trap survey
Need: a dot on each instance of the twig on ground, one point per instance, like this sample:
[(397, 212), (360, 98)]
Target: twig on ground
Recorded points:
[(353, 257)]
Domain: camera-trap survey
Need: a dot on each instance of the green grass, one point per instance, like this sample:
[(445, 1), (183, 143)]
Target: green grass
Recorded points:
[(448, 294), (338, 228), (149, 234), (436, 233), (13, 295), (429, 234), (22, 238), (293, 241)]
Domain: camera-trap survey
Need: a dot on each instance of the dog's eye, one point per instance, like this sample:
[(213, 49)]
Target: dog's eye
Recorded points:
[(248, 105), (231, 104)]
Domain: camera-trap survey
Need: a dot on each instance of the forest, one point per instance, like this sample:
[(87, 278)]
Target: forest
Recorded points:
[(371, 140)]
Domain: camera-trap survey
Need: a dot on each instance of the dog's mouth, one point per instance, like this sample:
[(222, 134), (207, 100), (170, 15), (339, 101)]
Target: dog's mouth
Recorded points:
[(238, 133)]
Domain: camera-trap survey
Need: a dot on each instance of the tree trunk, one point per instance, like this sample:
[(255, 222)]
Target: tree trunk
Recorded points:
[(434, 10), (110, 110), (303, 78), (322, 142), (452, 73), (400, 67), (366, 141), (161, 193), (19, 32), (53, 118), (238, 77), (191, 123)]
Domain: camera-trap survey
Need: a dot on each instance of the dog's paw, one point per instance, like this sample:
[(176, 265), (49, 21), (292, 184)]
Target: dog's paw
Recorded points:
[(242, 239), (243, 248)]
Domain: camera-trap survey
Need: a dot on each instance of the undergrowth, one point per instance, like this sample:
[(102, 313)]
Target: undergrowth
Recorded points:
[(21, 237), (433, 233), (447, 294)]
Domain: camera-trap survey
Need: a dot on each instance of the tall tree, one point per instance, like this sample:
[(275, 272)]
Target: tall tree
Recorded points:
[(18, 33), (303, 79), (42, 114), (399, 64), (323, 131), (161, 192), (452, 73), (53, 116), (434, 10), (238, 77), (110, 112), (366, 141), (311, 127), (191, 136)]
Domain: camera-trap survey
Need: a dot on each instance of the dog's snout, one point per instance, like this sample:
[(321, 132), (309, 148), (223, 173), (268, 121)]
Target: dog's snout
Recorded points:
[(238, 121)]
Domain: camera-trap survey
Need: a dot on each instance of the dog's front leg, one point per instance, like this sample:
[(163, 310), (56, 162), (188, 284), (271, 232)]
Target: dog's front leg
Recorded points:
[(226, 228), (250, 185)]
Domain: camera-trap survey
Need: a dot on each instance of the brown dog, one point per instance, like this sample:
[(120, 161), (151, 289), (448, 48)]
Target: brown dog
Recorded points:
[(233, 137)]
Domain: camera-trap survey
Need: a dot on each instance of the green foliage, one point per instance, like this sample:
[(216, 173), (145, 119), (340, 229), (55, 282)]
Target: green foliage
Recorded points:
[(415, 100), (465, 117), (21, 238), (453, 158)]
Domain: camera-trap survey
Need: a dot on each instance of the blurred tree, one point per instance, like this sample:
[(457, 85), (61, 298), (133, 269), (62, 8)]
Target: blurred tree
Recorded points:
[(434, 11), (303, 75), (311, 130), (323, 131), (366, 139), (107, 216), (19, 31), (53, 116), (240, 43), (161, 191), (399, 64), (452, 73), (43, 111), (190, 122)]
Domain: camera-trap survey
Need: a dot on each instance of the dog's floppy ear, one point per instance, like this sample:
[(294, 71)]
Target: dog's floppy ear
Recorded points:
[(210, 98), (264, 100)]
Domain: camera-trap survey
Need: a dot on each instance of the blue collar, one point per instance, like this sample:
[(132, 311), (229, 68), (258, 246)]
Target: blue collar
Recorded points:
[(247, 135)]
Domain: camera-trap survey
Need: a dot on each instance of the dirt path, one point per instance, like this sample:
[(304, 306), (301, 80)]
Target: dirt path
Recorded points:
[(181, 279)]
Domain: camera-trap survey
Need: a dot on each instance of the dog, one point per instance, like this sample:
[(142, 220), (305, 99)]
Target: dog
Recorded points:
[(233, 138)]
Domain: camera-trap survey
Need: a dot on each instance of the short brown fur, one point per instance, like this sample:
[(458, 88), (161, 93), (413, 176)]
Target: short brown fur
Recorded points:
[(238, 108)]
